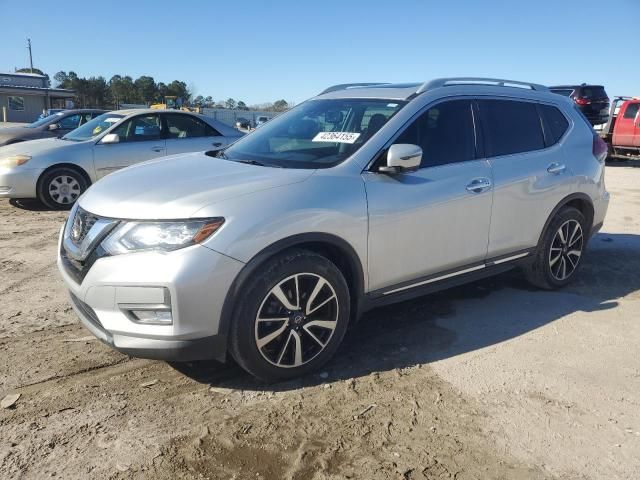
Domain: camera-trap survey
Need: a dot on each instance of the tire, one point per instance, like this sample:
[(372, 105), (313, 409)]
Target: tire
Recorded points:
[(293, 343), (559, 255), (60, 187)]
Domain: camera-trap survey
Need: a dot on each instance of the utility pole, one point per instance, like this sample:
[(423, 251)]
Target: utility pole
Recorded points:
[(30, 57)]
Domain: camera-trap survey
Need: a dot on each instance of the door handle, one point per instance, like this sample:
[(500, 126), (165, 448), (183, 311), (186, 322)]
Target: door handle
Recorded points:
[(479, 185), (556, 168), (157, 149), (216, 144)]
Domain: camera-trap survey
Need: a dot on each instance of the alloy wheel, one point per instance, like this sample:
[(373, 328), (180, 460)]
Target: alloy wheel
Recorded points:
[(64, 189), (566, 250), (296, 320)]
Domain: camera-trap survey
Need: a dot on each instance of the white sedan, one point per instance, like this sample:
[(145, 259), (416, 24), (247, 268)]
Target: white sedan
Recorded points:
[(58, 170)]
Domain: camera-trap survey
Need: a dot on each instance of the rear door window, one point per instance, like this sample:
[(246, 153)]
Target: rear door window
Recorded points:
[(510, 126), (187, 126), (555, 123), (444, 132)]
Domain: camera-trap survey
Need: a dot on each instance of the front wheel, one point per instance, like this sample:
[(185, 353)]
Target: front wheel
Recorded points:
[(560, 252), (59, 188), (291, 317)]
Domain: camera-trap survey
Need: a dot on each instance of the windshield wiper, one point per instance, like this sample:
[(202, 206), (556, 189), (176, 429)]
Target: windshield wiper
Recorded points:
[(260, 164), (251, 162)]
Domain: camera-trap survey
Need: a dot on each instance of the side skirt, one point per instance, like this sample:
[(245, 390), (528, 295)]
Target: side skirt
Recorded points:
[(444, 280)]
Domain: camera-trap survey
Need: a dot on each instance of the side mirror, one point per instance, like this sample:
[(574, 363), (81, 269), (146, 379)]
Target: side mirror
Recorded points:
[(54, 126), (401, 158), (110, 138)]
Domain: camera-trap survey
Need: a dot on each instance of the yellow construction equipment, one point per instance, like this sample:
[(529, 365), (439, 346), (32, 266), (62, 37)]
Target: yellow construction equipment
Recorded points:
[(170, 102)]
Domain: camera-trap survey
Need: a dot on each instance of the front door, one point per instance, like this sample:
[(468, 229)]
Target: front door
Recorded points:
[(636, 125), (140, 139), (187, 133), (435, 219), (625, 127)]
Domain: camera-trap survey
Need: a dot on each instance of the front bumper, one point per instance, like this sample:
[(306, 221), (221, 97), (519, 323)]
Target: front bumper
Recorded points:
[(197, 279), (19, 182), (213, 347)]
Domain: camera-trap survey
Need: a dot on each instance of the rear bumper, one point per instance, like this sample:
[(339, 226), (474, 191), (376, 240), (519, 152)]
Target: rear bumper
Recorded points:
[(19, 183), (600, 207)]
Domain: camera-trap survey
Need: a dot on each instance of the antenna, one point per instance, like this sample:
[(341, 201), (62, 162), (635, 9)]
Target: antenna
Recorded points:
[(30, 57)]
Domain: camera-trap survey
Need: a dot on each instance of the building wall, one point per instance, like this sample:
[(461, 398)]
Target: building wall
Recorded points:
[(33, 106)]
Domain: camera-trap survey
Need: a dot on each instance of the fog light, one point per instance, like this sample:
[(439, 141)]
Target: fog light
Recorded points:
[(152, 317), (150, 313)]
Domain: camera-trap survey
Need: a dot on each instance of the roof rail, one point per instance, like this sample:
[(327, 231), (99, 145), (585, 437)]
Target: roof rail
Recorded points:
[(344, 86), (443, 82)]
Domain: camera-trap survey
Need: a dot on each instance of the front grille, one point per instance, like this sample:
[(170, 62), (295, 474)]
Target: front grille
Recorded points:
[(87, 312), (76, 269), (82, 223), (75, 234)]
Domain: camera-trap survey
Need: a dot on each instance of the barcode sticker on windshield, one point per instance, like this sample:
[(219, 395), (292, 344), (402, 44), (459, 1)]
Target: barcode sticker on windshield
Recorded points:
[(338, 137)]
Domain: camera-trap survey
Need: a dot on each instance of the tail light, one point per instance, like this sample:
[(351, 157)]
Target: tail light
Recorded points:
[(583, 101), (600, 148)]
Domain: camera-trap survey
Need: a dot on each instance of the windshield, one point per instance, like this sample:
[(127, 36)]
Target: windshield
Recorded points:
[(93, 127), (45, 120), (315, 134)]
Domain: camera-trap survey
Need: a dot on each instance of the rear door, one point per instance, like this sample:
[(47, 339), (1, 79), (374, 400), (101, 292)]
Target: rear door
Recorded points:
[(627, 129), (140, 139), (529, 170), (188, 133)]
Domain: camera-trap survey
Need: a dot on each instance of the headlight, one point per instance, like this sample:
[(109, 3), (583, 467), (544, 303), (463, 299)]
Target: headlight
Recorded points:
[(171, 235), (14, 161)]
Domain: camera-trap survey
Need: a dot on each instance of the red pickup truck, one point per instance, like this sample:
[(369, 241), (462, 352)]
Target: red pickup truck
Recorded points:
[(622, 130)]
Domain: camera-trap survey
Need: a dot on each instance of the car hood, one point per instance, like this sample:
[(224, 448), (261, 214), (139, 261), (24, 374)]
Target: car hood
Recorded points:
[(35, 147), (9, 133), (179, 186)]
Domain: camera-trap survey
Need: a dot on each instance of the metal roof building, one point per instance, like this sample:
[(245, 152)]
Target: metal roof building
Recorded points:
[(23, 96)]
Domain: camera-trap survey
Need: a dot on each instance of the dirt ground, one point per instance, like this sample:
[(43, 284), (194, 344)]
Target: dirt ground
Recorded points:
[(490, 380)]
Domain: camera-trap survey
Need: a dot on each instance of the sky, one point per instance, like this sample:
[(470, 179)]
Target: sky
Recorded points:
[(261, 51)]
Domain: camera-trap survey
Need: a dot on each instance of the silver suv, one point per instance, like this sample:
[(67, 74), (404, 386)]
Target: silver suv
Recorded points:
[(364, 195)]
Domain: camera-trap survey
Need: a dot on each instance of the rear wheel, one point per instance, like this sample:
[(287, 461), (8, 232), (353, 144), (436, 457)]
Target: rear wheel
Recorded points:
[(60, 187), (291, 318), (560, 252)]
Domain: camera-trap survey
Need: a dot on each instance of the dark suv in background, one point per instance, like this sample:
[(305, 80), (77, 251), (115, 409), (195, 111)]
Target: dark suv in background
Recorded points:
[(592, 100)]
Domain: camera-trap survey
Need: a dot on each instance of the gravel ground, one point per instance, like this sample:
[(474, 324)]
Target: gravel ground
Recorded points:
[(489, 380)]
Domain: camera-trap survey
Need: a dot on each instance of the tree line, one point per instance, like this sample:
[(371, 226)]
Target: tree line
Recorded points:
[(98, 92)]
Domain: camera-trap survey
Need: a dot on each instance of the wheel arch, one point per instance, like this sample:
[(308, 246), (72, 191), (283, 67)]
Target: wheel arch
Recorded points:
[(336, 249), (579, 201), (73, 166)]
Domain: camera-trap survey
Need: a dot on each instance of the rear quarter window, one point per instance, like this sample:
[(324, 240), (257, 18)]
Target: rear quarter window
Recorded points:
[(555, 123), (510, 126)]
